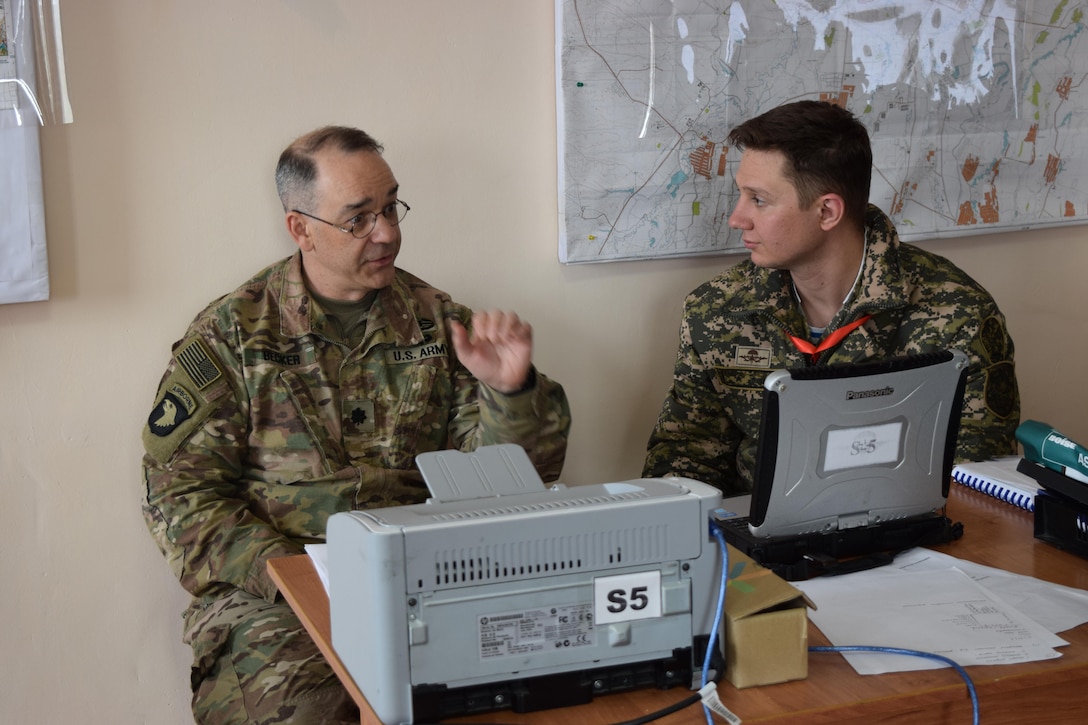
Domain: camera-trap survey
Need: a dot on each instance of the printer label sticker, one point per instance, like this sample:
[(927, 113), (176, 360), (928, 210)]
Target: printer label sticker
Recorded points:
[(518, 633), (627, 597)]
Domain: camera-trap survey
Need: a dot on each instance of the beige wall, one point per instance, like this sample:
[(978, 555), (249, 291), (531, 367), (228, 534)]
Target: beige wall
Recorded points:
[(160, 197)]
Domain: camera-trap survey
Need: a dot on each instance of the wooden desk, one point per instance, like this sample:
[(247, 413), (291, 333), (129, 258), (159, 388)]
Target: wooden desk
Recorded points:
[(996, 534)]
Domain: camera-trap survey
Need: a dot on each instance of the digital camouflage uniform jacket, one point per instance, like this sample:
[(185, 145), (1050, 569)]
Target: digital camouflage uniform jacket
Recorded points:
[(736, 329), (263, 427)]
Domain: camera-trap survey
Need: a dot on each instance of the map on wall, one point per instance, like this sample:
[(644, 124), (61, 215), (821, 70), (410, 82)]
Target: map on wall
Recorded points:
[(8, 92), (977, 110)]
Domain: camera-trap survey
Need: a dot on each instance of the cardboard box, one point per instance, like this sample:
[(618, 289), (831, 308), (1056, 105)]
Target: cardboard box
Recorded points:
[(766, 626)]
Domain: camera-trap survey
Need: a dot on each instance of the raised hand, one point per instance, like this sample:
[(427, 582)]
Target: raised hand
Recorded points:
[(500, 350)]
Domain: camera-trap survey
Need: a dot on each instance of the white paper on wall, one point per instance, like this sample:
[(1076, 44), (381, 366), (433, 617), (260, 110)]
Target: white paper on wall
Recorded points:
[(24, 268)]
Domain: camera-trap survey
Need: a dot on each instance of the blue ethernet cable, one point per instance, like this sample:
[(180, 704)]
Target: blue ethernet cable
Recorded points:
[(845, 648), (914, 653), (717, 613)]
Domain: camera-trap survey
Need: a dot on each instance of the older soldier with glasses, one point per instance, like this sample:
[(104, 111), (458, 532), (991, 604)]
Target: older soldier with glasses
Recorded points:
[(307, 391)]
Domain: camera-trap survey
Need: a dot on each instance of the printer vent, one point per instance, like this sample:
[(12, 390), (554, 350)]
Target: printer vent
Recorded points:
[(490, 511), (561, 554)]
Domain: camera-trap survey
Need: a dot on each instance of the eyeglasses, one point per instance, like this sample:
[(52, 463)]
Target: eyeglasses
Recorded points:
[(361, 226)]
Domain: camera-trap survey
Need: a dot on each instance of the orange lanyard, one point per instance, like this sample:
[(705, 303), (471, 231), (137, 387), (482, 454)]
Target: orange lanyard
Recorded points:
[(813, 351)]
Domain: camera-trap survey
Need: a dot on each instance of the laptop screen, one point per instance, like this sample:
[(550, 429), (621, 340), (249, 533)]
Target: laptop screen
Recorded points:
[(845, 446)]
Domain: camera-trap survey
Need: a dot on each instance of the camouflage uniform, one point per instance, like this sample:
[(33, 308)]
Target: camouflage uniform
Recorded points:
[(736, 329), (264, 426)]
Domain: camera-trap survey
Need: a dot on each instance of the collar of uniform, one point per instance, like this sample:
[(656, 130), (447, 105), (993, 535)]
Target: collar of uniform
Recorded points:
[(767, 291), (745, 291), (393, 309), (883, 285), (294, 299)]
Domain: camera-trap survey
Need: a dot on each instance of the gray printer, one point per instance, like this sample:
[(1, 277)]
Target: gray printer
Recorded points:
[(500, 593)]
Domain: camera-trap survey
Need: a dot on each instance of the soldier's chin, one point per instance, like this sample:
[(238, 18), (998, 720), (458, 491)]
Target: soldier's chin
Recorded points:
[(759, 261), (381, 277)]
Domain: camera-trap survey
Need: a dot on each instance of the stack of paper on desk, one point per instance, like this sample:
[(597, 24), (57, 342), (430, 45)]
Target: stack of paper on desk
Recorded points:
[(319, 556), (931, 602)]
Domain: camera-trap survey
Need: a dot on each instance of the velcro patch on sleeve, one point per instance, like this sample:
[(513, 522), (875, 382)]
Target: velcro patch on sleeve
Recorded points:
[(198, 364), (176, 414), (175, 406), (184, 401)]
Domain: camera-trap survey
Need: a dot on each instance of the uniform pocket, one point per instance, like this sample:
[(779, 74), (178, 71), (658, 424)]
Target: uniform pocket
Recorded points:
[(741, 379), (416, 419), (209, 646), (742, 396), (290, 439)]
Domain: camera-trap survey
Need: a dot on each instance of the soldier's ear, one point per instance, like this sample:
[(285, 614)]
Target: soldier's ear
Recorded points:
[(831, 210), (299, 228)]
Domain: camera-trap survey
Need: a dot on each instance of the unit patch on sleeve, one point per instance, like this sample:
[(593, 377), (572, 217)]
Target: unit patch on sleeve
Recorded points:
[(173, 409)]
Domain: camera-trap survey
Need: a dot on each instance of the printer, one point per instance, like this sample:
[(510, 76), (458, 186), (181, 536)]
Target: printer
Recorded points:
[(501, 593)]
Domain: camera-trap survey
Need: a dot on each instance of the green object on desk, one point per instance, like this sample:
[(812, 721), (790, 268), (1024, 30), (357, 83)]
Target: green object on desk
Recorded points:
[(1047, 447)]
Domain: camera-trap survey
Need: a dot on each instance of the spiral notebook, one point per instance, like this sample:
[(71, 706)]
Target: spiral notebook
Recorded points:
[(999, 478)]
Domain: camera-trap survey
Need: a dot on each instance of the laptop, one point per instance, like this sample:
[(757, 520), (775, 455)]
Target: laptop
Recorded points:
[(853, 465)]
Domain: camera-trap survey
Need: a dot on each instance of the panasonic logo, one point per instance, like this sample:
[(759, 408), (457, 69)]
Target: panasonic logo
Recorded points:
[(862, 394)]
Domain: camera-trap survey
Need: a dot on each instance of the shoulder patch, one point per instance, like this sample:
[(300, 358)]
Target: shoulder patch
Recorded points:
[(180, 407), (198, 364), (1001, 394), (174, 408)]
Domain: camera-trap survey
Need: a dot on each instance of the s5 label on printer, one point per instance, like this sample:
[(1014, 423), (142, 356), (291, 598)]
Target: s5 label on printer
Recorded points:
[(626, 597)]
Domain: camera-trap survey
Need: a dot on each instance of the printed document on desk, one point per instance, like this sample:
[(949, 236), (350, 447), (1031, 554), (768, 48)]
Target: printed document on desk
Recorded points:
[(1055, 606), (940, 611)]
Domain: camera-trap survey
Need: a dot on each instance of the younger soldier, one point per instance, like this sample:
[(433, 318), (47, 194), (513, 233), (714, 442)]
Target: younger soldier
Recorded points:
[(307, 391), (828, 281)]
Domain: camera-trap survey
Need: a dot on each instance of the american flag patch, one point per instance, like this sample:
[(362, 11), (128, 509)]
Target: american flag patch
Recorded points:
[(202, 370)]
